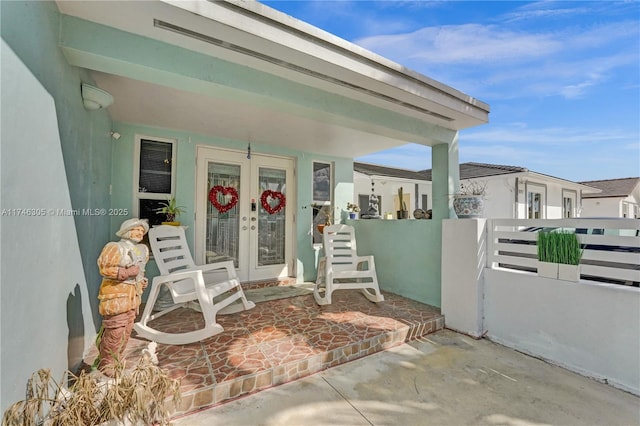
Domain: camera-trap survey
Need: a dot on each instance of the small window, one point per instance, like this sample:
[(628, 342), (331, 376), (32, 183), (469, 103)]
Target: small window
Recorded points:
[(536, 202), (569, 202), (425, 202), (322, 197), (322, 177), (155, 176)]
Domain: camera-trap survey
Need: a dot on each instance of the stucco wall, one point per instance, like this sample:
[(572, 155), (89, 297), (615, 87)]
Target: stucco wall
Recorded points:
[(42, 274), (123, 197), (49, 312), (601, 207), (31, 30), (407, 255), (587, 327), (463, 261)]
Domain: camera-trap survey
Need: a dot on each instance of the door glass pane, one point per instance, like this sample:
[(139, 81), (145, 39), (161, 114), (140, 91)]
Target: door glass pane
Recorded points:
[(222, 226), (271, 222)]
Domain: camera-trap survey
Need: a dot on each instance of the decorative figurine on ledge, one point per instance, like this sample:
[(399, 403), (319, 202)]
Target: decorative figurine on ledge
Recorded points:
[(122, 267), (372, 211)]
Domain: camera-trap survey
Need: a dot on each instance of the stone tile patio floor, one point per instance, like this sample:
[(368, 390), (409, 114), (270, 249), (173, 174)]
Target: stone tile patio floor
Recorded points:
[(282, 340)]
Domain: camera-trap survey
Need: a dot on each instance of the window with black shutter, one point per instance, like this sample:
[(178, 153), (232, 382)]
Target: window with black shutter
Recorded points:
[(155, 176)]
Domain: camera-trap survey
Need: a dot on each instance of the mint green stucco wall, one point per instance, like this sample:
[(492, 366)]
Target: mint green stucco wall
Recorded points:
[(31, 30), (123, 177), (407, 255)]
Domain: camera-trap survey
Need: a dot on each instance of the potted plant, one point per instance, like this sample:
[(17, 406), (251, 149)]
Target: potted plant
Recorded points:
[(559, 255), (468, 201), (322, 216), (171, 210), (403, 213), (353, 210)]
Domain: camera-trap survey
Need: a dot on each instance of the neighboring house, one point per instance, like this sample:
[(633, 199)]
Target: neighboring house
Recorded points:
[(384, 182), (538, 196), (224, 105), (619, 198)]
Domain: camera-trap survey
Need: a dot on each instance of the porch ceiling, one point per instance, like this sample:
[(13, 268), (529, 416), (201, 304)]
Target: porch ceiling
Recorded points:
[(252, 73)]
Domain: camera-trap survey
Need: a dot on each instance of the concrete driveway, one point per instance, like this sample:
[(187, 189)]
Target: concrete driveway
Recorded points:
[(444, 379)]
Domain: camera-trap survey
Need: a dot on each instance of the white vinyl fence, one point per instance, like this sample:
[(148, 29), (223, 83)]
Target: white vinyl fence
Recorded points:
[(611, 246), (490, 289)]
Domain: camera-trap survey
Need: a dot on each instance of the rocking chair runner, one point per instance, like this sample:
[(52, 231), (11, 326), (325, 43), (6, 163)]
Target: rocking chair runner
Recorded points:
[(342, 268), (189, 285)]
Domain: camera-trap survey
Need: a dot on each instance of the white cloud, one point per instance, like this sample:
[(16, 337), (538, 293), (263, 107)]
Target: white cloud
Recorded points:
[(536, 137), (467, 43), (507, 61)]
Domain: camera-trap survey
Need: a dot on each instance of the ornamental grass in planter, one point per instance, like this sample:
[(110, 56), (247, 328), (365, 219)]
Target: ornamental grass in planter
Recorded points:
[(556, 250)]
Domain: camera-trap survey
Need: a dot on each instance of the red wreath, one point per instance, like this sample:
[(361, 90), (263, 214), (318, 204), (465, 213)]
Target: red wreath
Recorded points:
[(275, 195), (213, 197)]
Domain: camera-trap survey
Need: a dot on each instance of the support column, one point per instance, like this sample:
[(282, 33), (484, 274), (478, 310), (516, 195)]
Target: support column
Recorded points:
[(464, 256), (445, 178)]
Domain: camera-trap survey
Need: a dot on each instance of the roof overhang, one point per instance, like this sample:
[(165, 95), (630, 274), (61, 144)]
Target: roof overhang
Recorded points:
[(250, 72), (567, 184)]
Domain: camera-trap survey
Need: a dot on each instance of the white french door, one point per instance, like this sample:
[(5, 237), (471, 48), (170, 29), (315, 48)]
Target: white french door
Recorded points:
[(244, 212)]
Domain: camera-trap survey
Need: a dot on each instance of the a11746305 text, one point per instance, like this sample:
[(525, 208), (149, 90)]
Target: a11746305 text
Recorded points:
[(36, 212)]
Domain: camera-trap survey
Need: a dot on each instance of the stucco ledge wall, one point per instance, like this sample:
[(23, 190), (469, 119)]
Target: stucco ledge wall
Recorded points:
[(587, 327)]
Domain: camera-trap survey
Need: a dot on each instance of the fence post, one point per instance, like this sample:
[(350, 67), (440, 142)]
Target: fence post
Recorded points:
[(464, 257)]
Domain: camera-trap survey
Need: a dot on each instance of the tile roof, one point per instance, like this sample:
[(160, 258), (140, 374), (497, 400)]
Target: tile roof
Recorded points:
[(612, 187), (467, 171), (376, 170), (475, 170)]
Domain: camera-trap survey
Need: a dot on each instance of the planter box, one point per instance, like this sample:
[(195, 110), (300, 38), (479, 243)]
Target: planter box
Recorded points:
[(559, 271), (548, 270), (569, 272)]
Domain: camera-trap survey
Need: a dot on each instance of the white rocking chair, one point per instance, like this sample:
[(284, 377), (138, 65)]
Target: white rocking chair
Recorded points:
[(341, 262), (189, 285)]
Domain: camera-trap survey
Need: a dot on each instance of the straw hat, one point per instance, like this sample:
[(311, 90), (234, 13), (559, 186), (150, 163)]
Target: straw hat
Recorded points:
[(129, 224)]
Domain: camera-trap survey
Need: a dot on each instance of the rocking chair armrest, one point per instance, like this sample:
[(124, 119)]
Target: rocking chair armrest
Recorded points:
[(195, 275), (210, 267), (368, 258)]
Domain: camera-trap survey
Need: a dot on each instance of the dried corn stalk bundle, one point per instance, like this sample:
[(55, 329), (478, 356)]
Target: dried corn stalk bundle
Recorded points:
[(142, 396)]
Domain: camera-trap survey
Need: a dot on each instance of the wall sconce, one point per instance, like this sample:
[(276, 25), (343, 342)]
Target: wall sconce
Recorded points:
[(94, 98), (115, 135)]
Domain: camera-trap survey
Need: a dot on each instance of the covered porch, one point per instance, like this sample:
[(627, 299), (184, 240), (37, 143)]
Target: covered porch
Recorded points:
[(224, 75), (281, 340)]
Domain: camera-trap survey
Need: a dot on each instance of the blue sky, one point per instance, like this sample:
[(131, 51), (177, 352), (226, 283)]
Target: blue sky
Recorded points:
[(562, 78)]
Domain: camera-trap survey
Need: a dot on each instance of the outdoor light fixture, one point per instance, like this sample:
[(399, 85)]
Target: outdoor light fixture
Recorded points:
[(115, 135), (94, 98)]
